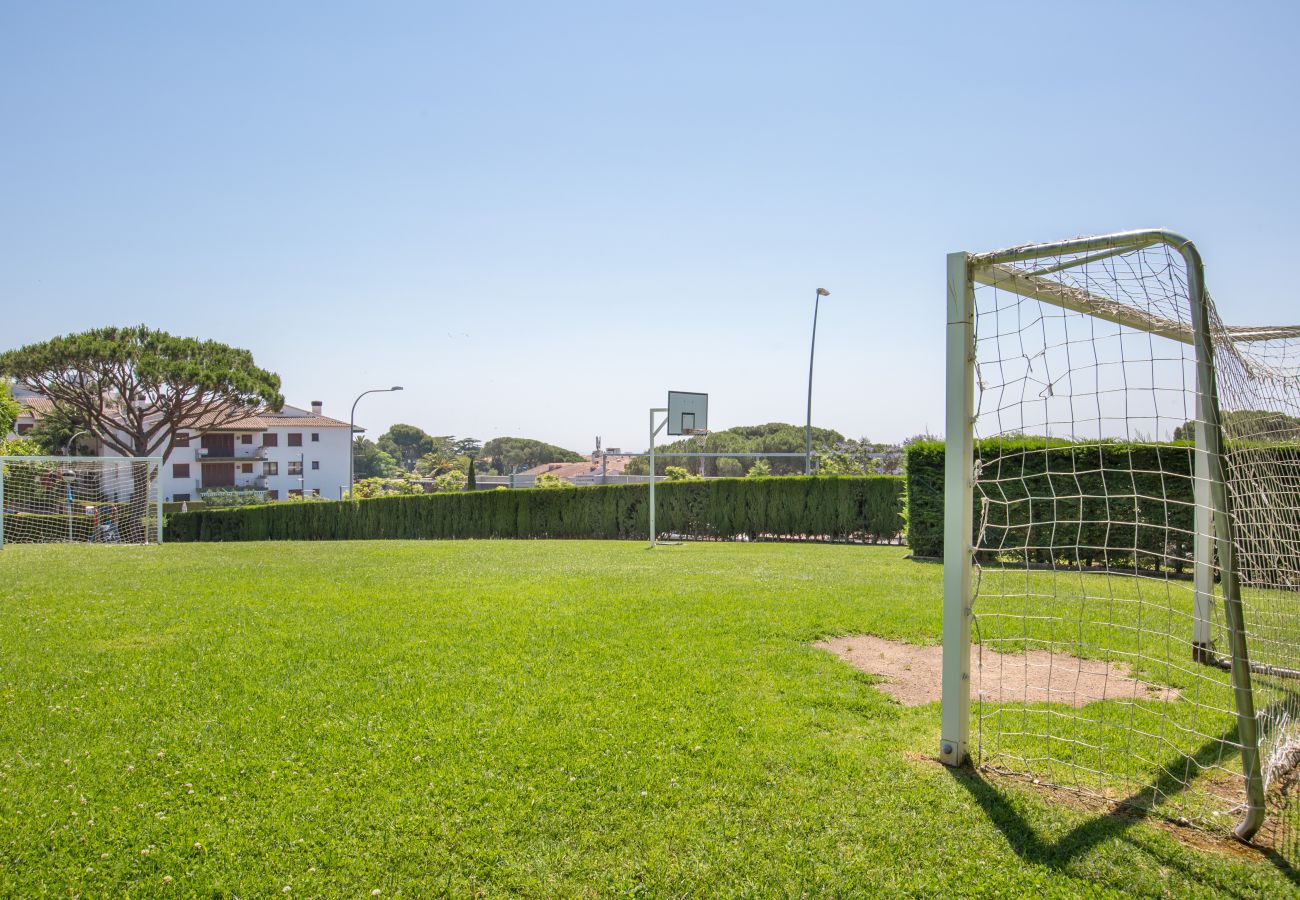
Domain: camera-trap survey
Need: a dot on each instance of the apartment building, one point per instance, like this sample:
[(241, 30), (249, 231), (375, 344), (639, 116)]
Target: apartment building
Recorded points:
[(292, 452)]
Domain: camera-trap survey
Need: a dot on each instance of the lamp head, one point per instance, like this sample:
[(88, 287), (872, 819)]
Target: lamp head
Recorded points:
[(396, 387), (822, 292)]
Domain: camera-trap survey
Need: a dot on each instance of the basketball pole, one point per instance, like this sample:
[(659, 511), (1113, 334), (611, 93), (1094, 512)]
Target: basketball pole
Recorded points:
[(654, 431)]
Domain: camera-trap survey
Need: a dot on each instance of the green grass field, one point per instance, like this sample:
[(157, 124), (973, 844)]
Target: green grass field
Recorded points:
[(508, 718)]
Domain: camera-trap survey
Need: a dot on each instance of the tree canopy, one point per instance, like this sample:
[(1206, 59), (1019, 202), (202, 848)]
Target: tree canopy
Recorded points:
[(136, 387), (1249, 424), (54, 431), (406, 444), (510, 453), (10, 410), (428, 455), (773, 437), (371, 462), (470, 447)]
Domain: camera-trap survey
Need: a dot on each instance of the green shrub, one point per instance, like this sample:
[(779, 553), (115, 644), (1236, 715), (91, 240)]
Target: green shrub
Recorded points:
[(232, 497), (822, 508), (548, 482), (730, 468)]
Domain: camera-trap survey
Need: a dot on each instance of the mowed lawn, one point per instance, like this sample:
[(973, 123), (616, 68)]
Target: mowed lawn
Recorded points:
[(508, 718)]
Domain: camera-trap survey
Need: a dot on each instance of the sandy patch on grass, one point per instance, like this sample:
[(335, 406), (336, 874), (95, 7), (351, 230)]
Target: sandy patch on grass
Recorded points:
[(912, 674)]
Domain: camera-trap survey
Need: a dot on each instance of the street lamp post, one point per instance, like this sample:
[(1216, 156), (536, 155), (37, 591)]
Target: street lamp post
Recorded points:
[(352, 428), (67, 448), (807, 431)]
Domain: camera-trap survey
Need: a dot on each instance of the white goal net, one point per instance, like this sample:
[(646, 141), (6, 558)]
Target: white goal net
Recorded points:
[(85, 500), (1122, 535)]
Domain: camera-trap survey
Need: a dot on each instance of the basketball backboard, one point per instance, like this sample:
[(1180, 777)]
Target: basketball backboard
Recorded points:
[(688, 413)]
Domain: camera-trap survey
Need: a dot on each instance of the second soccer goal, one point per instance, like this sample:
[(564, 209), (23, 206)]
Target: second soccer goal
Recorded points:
[(1122, 505)]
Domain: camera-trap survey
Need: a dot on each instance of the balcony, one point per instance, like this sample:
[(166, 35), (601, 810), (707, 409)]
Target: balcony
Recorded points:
[(240, 454), (242, 483)]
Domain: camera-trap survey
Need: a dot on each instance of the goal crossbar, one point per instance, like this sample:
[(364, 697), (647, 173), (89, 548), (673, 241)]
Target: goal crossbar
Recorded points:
[(1034, 286)]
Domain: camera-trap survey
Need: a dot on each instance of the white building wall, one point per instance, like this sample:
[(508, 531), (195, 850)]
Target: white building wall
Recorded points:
[(324, 461)]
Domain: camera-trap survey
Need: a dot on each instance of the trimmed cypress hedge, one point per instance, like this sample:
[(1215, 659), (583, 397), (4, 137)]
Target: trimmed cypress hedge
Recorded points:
[(816, 508), (1045, 501), (37, 528), (41, 528), (923, 497)]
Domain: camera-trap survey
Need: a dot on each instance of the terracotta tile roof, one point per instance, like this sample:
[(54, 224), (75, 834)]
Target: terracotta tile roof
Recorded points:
[(616, 463), (290, 417), (614, 466), (269, 420), (34, 405), (562, 470)]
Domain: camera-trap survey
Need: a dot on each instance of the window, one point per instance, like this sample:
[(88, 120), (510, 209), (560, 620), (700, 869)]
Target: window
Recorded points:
[(182, 439), (24, 428), (270, 440), (273, 495), (315, 492), (315, 465), (294, 492), (295, 439), (181, 470), (270, 468), (181, 498), (245, 439), (246, 468), (295, 467), (315, 437)]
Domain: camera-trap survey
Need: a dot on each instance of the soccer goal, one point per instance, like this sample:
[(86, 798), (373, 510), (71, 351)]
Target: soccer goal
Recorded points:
[(1122, 533), (86, 500)]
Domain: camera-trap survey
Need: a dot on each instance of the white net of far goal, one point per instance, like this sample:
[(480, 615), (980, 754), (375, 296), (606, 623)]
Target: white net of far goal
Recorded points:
[(1122, 534), (79, 500)]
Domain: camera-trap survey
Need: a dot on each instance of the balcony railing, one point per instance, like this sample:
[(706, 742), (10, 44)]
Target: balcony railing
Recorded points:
[(242, 483), (239, 454)]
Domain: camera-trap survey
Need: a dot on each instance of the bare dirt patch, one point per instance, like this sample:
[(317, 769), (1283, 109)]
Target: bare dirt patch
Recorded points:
[(912, 674)]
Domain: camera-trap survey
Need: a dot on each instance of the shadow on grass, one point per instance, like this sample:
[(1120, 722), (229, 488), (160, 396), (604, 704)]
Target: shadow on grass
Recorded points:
[(1060, 854)]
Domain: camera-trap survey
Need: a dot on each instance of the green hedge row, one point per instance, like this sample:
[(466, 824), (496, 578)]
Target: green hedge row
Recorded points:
[(820, 508), (1043, 501), (36, 528), (41, 528)]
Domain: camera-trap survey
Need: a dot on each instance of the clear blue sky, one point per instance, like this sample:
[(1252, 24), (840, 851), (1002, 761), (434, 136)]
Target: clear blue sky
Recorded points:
[(541, 217)]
